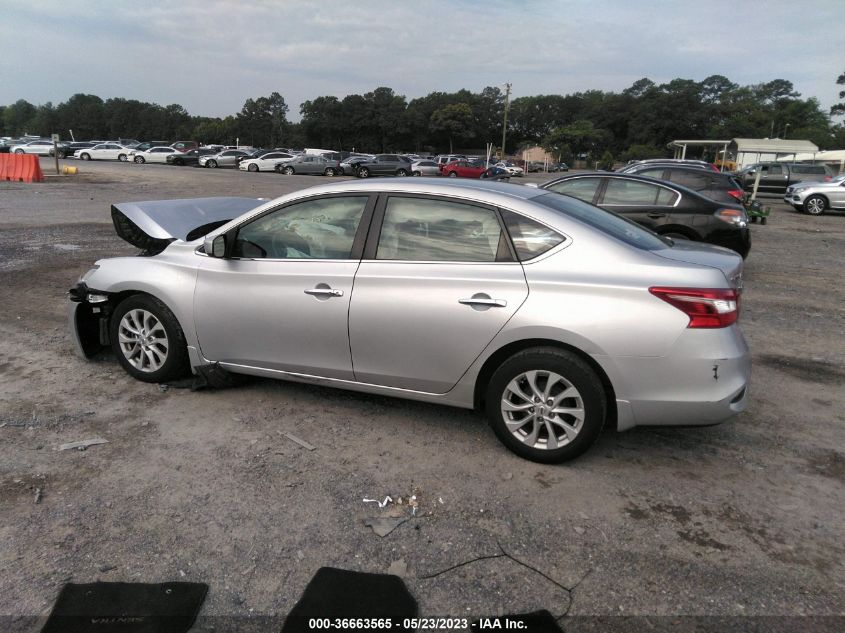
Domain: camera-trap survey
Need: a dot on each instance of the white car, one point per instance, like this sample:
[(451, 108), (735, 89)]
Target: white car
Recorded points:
[(41, 147), (104, 151), (267, 162), (152, 155), (513, 170)]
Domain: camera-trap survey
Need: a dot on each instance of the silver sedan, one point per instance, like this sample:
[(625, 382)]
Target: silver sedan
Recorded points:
[(425, 168), (549, 314)]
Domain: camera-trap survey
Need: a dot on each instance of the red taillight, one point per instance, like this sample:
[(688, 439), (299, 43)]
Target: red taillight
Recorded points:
[(739, 194), (705, 307)]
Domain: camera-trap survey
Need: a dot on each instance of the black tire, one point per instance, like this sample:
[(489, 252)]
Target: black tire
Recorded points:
[(288, 171), (140, 160), (175, 362), (19, 151), (329, 172), (363, 172), (764, 220), (85, 156), (417, 173), (401, 172), (179, 162), (252, 167), (453, 174), (122, 158), (815, 205), (589, 396), (211, 164)]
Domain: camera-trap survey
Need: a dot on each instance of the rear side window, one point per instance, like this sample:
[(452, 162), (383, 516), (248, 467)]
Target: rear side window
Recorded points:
[(418, 229), (808, 169), (693, 180), (530, 238)]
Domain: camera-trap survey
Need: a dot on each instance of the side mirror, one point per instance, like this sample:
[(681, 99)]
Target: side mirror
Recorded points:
[(215, 246)]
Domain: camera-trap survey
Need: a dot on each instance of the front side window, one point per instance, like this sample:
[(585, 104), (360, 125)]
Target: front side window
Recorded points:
[(581, 188), (775, 170), (420, 229), (322, 228), (621, 192)]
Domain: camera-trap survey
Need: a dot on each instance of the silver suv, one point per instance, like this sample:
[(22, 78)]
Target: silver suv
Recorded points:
[(814, 198)]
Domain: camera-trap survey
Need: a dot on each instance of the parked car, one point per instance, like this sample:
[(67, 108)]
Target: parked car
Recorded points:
[(350, 165), (70, 148), (226, 158), (40, 147), (423, 168), (716, 186), (384, 165), (152, 155), (267, 161), (311, 164), (104, 151), (666, 208), (462, 169), (184, 146), (191, 157), (814, 198), (776, 177), (443, 159), (475, 282), (513, 169), (143, 147), (668, 162)]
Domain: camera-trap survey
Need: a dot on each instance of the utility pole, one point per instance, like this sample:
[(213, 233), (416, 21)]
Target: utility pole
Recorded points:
[(505, 124)]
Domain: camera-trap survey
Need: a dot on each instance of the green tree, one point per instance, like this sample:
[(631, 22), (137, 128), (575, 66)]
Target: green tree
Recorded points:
[(455, 121), (839, 108), (581, 137), (18, 117)]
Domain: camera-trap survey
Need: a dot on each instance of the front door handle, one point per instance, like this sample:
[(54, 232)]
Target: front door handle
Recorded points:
[(657, 215), (324, 292), (479, 301)]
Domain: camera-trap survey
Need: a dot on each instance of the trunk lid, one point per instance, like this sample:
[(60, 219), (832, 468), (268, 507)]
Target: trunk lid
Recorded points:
[(723, 259)]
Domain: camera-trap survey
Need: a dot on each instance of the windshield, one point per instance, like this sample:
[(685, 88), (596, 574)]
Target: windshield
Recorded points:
[(607, 222)]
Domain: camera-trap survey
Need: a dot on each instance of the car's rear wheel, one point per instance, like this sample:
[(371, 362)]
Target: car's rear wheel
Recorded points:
[(147, 340), (363, 172), (329, 172), (815, 205), (85, 156), (401, 172), (19, 151), (546, 404), (417, 173), (288, 171), (252, 167), (122, 158), (453, 174), (212, 164), (140, 160)]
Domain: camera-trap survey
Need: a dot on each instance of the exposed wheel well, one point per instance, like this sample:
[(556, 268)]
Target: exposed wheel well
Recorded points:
[(492, 364)]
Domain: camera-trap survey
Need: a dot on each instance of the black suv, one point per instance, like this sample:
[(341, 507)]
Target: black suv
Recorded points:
[(664, 207), (384, 165)]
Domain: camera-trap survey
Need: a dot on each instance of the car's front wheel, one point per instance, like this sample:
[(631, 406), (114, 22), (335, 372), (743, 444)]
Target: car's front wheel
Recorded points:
[(252, 167), (363, 172), (147, 340), (212, 164), (329, 172), (815, 205), (139, 159), (288, 171), (85, 156), (453, 174), (401, 172), (546, 404)]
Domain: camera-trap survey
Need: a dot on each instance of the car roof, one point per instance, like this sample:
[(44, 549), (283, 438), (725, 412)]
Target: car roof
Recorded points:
[(615, 174)]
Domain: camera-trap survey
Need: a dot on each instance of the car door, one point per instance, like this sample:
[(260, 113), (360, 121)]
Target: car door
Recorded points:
[(646, 203), (774, 179), (280, 298), (436, 284), (584, 188), (837, 196)]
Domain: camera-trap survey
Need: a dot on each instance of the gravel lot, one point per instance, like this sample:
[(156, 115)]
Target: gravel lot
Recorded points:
[(742, 519)]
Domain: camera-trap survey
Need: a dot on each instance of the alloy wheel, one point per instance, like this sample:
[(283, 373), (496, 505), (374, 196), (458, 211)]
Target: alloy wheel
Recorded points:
[(143, 340)]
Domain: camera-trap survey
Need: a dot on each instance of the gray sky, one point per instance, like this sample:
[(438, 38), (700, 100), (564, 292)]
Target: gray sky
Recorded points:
[(211, 55)]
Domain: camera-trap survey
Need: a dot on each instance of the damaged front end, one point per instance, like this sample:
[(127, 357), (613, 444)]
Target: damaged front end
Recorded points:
[(89, 312)]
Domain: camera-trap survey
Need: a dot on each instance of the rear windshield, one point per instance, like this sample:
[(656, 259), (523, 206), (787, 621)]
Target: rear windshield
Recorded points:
[(605, 221)]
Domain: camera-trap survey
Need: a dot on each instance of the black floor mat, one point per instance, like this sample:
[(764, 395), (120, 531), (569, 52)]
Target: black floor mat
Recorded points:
[(338, 594), (119, 607)]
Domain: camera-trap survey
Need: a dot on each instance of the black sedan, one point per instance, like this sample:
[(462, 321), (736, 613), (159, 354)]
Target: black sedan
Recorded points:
[(712, 184), (664, 207), (384, 165), (191, 157)]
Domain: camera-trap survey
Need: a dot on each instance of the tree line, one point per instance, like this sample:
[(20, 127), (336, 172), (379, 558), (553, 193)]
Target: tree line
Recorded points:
[(636, 122)]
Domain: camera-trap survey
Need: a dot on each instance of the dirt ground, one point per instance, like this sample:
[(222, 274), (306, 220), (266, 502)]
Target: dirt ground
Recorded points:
[(739, 520)]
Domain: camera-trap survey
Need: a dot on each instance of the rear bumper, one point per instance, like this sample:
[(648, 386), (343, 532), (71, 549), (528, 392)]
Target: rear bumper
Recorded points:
[(703, 381)]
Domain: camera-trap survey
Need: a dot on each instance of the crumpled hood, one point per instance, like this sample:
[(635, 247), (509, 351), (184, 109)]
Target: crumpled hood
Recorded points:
[(152, 225)]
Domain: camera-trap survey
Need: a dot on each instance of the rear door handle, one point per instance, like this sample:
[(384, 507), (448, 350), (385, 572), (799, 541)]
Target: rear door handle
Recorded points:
[(473, 301), (324, 292), (657, 215)]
